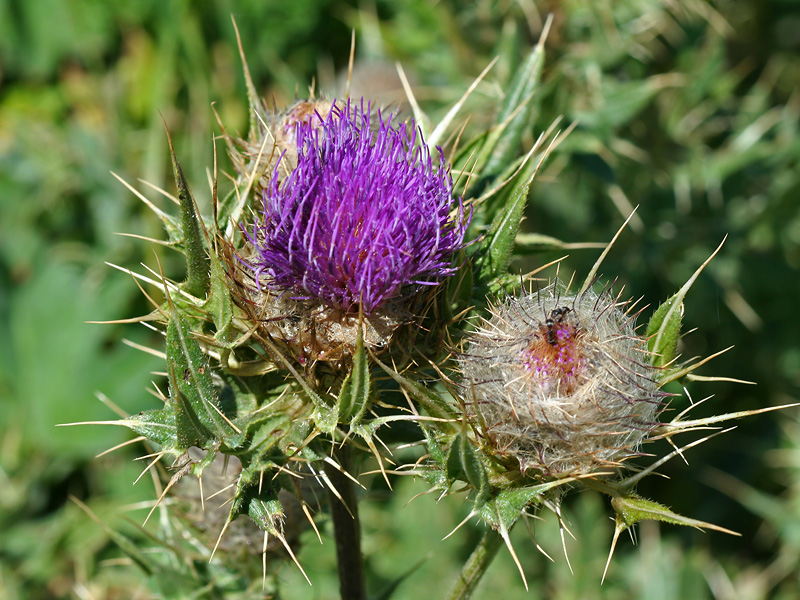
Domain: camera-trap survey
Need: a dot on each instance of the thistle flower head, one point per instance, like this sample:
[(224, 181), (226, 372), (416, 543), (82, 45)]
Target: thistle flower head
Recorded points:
[(363, 216), (561, 382), (272, 138)]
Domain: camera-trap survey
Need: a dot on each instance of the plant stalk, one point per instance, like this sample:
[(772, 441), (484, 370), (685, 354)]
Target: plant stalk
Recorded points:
[(476, 565), (346, 530)]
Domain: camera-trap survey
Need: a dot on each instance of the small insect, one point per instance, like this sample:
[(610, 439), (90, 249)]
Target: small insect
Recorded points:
[(556, 318)]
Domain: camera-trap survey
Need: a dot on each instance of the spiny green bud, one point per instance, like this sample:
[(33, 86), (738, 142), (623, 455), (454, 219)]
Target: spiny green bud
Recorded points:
[(561, 382)]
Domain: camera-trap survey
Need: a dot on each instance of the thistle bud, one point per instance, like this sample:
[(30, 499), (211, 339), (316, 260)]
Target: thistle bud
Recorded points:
[(561, 382)]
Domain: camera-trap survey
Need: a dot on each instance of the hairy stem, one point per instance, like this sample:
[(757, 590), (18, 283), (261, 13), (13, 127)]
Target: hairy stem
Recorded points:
[(476, 565), (347, 531)]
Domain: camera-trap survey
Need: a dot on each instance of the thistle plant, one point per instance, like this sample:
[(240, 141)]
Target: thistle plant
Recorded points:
[(358, 275)]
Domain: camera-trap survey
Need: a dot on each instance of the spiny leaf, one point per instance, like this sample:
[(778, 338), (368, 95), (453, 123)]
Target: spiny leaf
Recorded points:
[(325, 416), (506, 507), (632, 509), (197, 261), (531, 242), (517, 109), (171, 225), (157, 426), (438, 456), (663, 329), (459, 286), (199, 416), (219, 302), (463, 463), (267, 513), (266, 510), (430, 401), (263, 433), (493, 254)]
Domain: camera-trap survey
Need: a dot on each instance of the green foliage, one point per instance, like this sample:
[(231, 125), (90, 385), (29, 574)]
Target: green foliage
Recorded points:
[(493, 253), (462, 462)]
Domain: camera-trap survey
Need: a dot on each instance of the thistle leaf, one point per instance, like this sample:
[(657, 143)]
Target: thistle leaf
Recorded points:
[(197, 261), (263, 434), (430, 401), (157, 426), (219, 303), (664, 331), (459, 287), (199, 417), (493, 255), (504, 509), (517, 110), (267, 512), (632, 509), (463, 463), (325, 418)]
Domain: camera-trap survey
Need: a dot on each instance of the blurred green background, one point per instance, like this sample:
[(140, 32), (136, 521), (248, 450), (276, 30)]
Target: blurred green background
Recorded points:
[(688, 109)]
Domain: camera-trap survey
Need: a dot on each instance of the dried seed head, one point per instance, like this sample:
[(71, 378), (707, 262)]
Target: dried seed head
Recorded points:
[(561, 382)]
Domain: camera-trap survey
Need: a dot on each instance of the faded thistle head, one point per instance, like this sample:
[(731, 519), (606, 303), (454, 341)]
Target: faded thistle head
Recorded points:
[(561, 382), (364, 220)]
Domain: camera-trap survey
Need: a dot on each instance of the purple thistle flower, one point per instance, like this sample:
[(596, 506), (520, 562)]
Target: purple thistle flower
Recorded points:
[(363, 215)]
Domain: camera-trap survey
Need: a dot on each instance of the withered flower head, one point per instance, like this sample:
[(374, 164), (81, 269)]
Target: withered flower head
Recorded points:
[(561, 382)]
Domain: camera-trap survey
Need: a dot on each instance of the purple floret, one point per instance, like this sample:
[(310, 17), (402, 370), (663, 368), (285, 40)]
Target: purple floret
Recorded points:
[(363, 215)]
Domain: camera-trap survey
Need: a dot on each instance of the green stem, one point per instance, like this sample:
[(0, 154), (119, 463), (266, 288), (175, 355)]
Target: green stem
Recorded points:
[(476, 565), (347, 531)]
